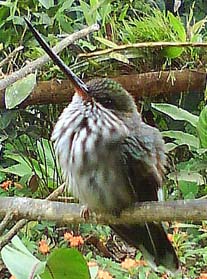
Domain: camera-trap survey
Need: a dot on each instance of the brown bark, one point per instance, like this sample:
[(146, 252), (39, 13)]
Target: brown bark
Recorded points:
[(10, 215), (139, 85), (63, 213)]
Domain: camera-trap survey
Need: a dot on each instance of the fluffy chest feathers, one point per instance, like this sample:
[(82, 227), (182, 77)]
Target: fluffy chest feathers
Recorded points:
[(86, 139)]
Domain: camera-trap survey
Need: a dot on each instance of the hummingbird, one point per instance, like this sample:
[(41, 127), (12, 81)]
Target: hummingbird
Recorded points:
[(111, 159)]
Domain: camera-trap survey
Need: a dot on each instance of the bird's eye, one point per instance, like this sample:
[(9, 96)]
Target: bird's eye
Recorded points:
[(107, 103)]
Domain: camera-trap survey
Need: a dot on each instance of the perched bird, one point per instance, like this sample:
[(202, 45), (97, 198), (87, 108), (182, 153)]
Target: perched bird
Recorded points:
[(111, 159)]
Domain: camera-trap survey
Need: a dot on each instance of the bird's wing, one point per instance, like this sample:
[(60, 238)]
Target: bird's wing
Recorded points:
[(144, 158)]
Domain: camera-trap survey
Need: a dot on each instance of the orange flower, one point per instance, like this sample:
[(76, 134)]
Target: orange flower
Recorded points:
[(164, 276), (203, 276), (176, 227), (92, 264), (12, 277), (130, 263), (104, 275), (74, 240), (67, 236), (6, 184), (141, 263), (43, 247), (170, 237)]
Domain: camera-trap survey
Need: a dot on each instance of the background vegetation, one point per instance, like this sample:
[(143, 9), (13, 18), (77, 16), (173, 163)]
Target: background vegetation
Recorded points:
[(27, 163)]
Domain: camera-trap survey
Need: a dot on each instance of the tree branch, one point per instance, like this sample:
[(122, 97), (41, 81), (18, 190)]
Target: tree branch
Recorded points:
[(21, 223), (10, 55), (62, 213), (31, 67), (142, 45), (139, 85)]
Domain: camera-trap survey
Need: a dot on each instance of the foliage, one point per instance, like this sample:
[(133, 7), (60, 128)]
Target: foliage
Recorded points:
[(28, 166), (60, 264), (190, 174), (19, 91)]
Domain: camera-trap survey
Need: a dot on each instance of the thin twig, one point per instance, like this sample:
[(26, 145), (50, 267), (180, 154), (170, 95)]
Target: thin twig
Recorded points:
[(7, 219), (142, 45), (10, 55), (14, 230), (56, 193), (34, 65), (21, 223)]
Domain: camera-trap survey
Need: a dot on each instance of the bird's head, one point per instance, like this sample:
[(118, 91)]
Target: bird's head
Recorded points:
[(106, 92), (110, 94)]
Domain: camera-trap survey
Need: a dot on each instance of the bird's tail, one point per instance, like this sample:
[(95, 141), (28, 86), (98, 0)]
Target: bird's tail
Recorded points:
[(153, 242)]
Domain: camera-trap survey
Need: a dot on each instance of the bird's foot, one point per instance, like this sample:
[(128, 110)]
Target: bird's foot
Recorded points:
[(85, 212)]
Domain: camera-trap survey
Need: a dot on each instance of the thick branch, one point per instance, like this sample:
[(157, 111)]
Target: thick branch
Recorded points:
[(31, 67), (36, 209), (139, 85)]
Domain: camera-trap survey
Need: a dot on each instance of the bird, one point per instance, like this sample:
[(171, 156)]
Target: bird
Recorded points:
[(111, 159)]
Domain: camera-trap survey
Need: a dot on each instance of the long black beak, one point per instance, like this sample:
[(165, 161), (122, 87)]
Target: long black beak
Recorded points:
[(79, 85)]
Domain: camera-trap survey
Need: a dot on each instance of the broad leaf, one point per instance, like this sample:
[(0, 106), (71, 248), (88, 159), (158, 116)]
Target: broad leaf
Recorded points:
[(177, 27), (176, 113), (47, 3), (170, 146), (106, 42), (66, 263), (20, 262), (120, 57), (189, 189), (6, 118), (19, 91), (202, 127), (21, 169), (189, 176), (172, 52), (46, 153), (182, 138)]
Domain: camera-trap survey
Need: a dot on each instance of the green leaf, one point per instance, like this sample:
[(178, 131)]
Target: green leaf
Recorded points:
[(90, 17), (45, 151), (198, 26), (182, 138), (21, 169), (47, 3), (66, 263), (202, 127), (170, 146), (86, 44), (93, 271), (189, 176), (66, 6), (120, 57), (177, 27), (188, 189), (172, 52), (106, 42), (176, 113), (6, 117), (19, 91), (18, 169), (20, 262)]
